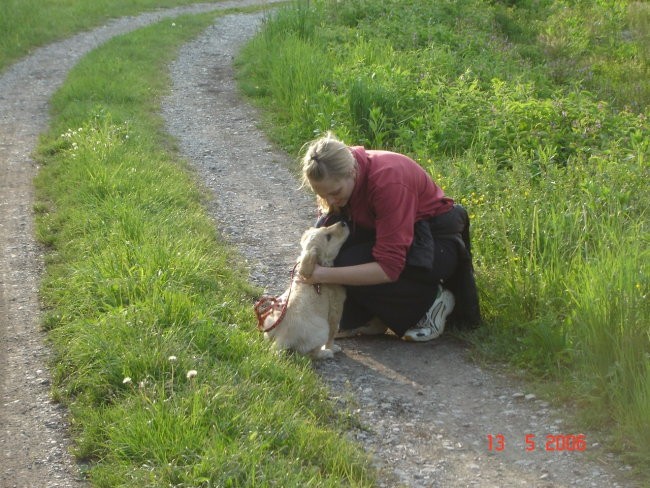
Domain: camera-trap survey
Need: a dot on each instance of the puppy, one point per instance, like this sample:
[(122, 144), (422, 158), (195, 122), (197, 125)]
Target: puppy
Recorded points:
[(313, 312)]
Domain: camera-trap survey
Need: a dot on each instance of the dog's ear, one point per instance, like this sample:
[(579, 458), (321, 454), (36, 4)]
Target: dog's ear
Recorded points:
[(306, 235), (307, 262)]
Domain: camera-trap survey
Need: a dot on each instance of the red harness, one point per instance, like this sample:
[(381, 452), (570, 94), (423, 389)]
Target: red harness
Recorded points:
[(266, 304)]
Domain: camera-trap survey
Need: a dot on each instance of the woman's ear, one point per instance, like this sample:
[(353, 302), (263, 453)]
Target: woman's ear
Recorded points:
[(307, 263)]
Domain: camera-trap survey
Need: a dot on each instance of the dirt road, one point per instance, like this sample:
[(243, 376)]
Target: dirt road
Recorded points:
[(33, 437), (427, 410)]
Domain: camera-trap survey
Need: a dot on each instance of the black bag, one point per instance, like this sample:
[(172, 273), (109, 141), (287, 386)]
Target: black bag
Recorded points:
[(452, 225), (462, 284), (421, 251)]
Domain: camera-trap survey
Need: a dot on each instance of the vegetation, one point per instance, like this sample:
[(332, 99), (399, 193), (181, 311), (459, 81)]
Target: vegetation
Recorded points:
[(26, 24), (532, 113), (167, 381)]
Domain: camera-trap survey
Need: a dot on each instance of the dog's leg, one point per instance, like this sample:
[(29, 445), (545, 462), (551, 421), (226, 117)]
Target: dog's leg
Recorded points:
[(330, 346), (337, 297), (330, 341), (321, 353), (334, 347)]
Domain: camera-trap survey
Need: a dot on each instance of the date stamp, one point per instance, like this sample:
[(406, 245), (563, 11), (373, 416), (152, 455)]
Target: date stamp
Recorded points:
[(549, 443)]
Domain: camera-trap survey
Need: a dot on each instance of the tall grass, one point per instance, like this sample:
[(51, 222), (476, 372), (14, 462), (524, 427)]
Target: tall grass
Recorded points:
[(156, 352), (26, 24), (535, 116)]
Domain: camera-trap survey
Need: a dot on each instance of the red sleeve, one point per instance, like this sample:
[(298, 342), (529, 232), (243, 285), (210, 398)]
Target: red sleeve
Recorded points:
[(395, 208)]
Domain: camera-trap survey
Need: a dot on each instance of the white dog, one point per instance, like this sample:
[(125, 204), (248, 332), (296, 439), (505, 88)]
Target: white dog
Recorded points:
[(313, 312)]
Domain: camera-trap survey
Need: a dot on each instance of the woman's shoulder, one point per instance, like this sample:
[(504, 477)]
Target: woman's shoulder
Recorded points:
[(392, 166)]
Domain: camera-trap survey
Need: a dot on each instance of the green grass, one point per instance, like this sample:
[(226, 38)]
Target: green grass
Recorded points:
[(141, 291), (26, 24), (534, 114)]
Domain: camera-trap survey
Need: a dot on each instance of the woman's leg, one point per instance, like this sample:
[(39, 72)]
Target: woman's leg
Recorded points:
[(401, 304)]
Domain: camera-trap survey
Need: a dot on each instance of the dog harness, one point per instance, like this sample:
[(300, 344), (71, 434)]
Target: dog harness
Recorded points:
[(265, 305)]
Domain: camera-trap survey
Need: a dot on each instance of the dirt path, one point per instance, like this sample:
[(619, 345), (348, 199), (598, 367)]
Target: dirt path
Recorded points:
[(426, 409), (33, 437)]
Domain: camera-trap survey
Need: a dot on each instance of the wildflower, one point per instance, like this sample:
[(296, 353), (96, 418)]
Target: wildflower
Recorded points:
[(172, 358), (126, 381), (191, 374)]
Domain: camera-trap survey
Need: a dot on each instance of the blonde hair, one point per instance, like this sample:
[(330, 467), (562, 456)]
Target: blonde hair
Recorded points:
[(327, 158)]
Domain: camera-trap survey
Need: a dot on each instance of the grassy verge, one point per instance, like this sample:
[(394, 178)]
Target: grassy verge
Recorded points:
[(26, 24), (534, 114), (157, 356)]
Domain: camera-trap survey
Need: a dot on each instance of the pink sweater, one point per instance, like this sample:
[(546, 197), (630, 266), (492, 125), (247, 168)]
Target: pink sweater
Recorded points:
[(390, 194)]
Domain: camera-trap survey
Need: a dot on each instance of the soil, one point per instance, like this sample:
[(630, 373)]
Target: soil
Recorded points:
[(425, 411)]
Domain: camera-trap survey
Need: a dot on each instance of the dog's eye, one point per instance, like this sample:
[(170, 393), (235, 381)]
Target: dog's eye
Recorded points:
[(328, 237)]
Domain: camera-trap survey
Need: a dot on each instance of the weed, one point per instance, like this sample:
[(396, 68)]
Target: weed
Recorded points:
[(534, 116), (166, 379)]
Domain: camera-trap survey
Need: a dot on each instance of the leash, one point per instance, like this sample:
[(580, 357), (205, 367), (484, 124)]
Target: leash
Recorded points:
[(266, 304)]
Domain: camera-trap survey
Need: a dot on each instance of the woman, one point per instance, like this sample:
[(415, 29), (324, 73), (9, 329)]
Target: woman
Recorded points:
[(407, 240)]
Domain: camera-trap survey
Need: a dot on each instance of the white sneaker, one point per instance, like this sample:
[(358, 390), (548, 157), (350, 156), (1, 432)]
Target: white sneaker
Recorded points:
[(432, 325), (372, 327)]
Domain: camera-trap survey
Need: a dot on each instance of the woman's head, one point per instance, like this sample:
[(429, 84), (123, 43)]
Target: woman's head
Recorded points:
[(329, 169)]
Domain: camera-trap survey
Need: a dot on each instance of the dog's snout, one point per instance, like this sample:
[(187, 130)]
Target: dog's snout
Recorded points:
[(344, 223)]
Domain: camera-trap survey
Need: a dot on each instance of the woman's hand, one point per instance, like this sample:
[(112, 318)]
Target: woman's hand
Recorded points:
[(311, 280)]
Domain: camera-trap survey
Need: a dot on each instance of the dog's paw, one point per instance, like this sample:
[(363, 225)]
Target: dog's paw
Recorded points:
[(322, 354)]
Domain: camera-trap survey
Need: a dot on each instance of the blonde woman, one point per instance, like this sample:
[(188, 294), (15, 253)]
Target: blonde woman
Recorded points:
[(408, 247)]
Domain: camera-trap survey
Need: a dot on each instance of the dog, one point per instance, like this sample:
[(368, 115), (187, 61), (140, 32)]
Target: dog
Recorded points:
[(313, 312)]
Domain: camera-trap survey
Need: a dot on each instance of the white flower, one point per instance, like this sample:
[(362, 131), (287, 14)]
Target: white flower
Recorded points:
[(191, 374), (172, 358), (126, 381)]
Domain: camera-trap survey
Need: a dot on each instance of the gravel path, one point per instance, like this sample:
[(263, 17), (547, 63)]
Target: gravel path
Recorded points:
[(33, 438), (426, 410)]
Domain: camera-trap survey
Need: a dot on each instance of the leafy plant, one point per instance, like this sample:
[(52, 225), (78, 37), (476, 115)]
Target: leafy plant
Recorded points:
[(533, 114)]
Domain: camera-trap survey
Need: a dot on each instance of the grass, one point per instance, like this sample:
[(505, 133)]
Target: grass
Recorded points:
[(149, 312), (27, 24), (533, 114)]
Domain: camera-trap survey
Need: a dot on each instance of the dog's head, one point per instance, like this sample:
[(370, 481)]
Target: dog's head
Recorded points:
[(320, 245)]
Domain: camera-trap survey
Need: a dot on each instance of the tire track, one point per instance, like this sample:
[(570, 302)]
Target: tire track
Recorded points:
[(34, 435), (426, 410)]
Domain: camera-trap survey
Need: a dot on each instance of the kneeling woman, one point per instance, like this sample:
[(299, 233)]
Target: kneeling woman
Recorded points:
[(407, 261)]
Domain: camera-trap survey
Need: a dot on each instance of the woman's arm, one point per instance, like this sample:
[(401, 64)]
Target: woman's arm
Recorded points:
[(360, 274)]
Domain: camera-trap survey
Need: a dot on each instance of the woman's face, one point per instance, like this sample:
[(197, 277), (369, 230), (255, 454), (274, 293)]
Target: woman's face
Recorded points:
[(336, 192)]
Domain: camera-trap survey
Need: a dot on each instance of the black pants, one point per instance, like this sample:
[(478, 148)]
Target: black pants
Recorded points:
[(400, 304)]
